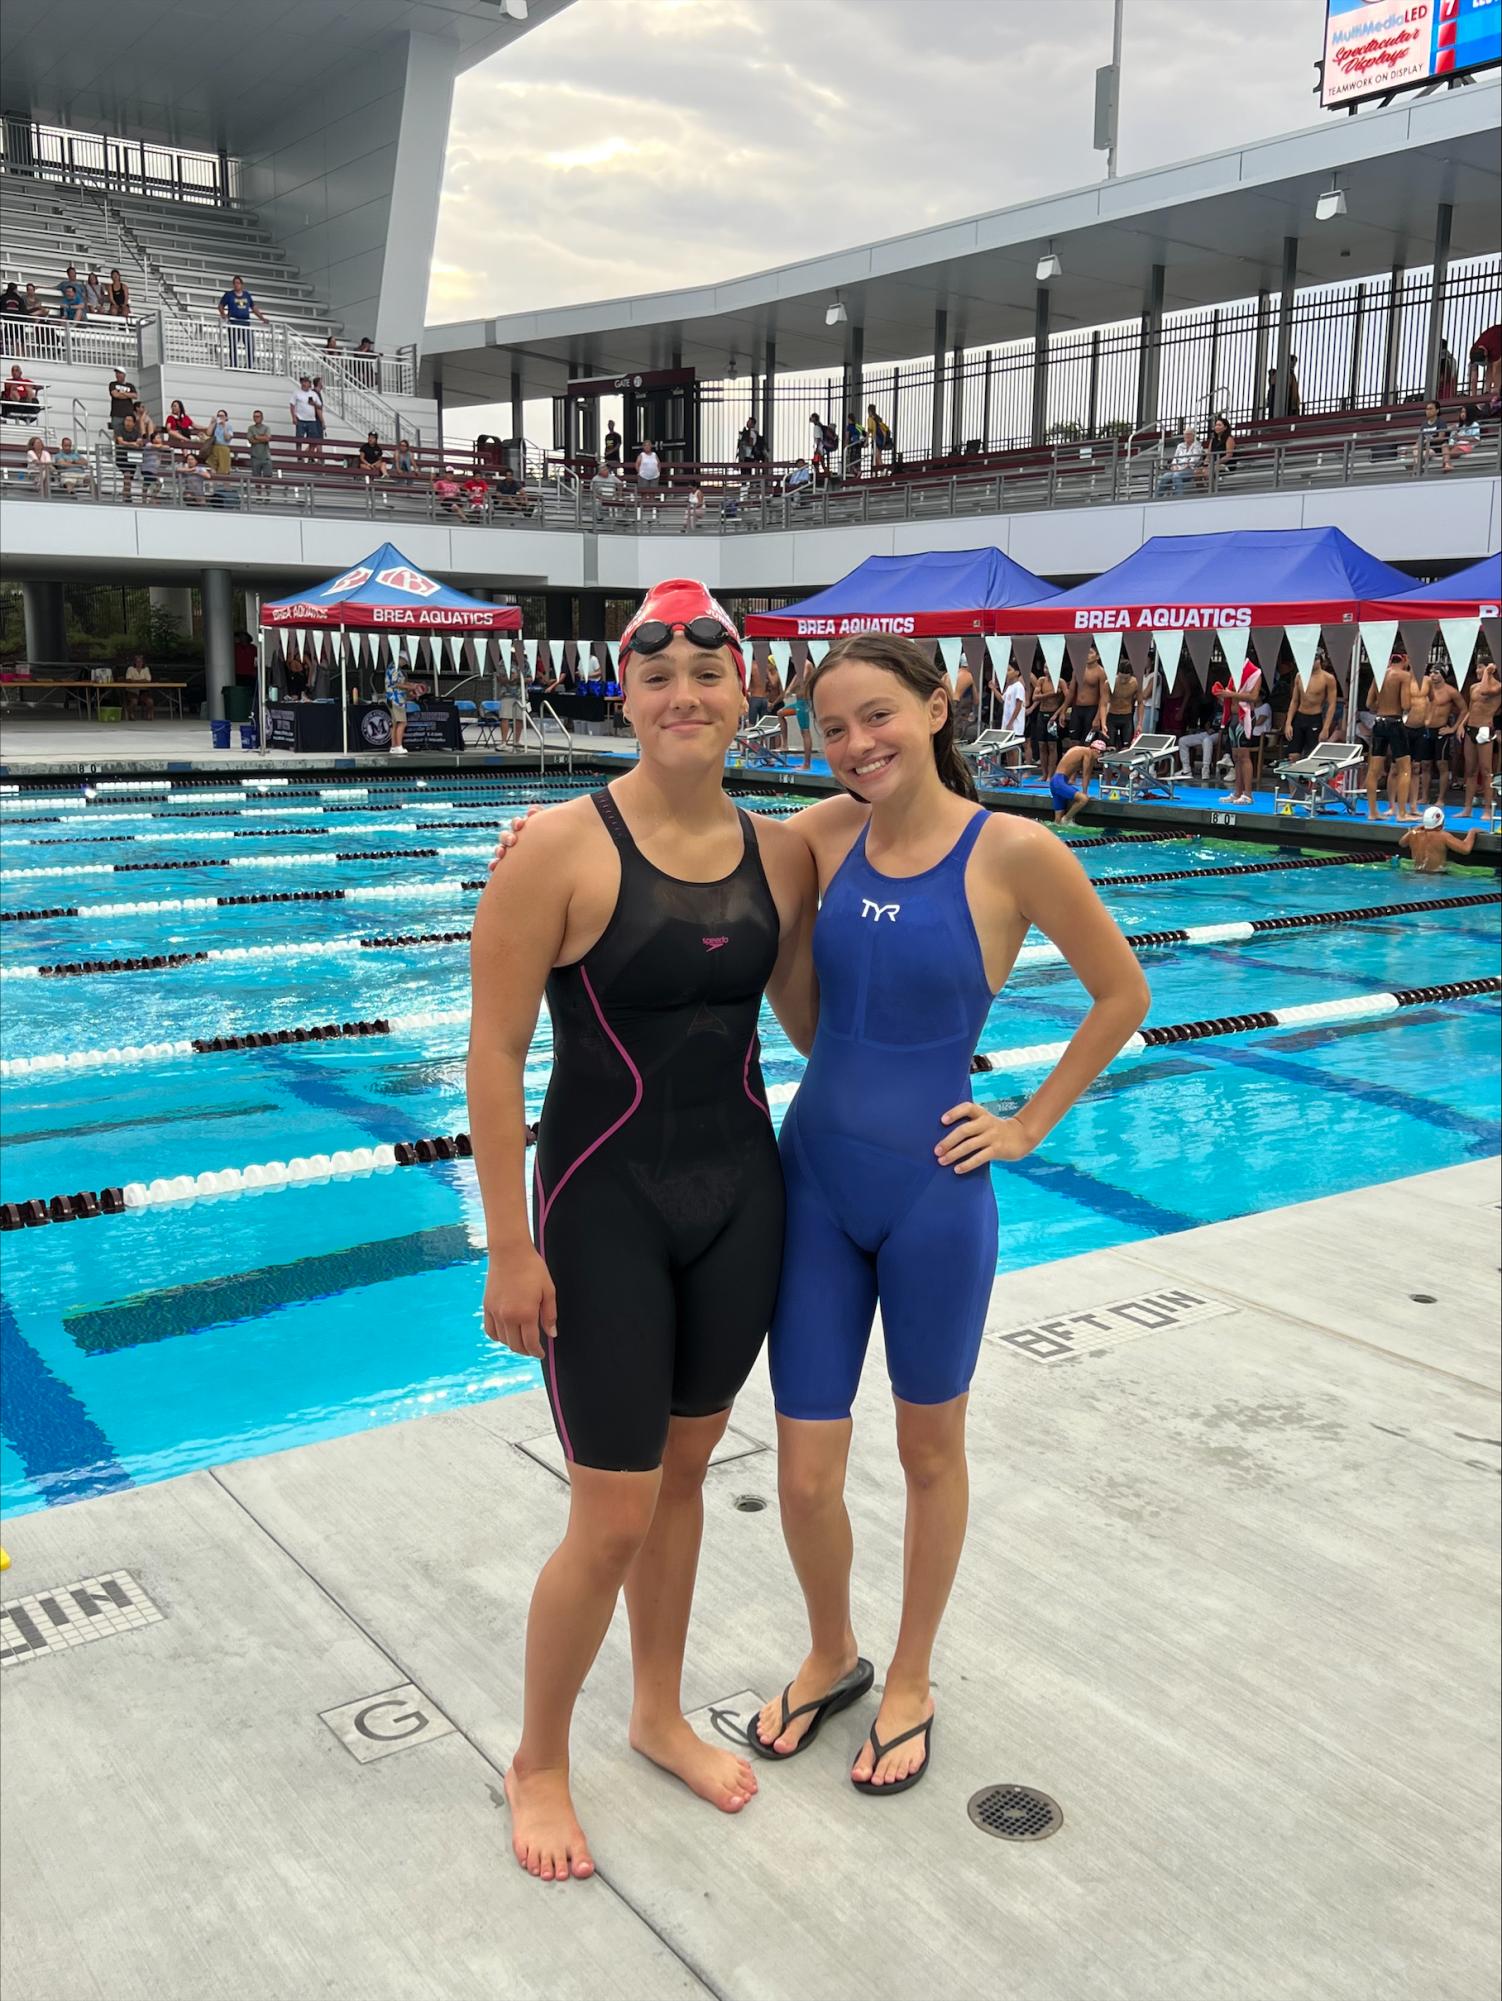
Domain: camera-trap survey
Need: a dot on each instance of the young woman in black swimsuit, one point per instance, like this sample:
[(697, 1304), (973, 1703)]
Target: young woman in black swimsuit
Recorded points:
[(653, 914)]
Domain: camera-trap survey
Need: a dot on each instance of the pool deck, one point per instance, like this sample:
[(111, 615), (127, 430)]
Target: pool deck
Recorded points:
[(1230, 1598), (76, 750)]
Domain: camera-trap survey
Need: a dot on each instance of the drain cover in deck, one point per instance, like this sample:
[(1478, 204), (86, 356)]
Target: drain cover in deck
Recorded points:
[(1015, 1813)]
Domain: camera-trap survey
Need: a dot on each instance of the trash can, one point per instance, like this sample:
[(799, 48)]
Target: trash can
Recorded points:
[(250, 737), (218, 734), (238, 697)]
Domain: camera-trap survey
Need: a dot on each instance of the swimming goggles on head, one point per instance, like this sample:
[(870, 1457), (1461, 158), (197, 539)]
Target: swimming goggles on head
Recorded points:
[(653, 634)]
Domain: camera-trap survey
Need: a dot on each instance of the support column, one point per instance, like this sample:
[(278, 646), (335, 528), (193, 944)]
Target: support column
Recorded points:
[(1257, 403), (1150, 360), (1394, 330), (936, 429), (518, 406), (1040, 365), (1092, 409), (218, 639), (1443, 216), (438, 403), (46, 630), (1285, 326), (854, 376), (769, 393)]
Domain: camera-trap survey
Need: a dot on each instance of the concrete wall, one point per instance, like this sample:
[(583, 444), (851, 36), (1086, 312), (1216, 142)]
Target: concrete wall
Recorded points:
[(349, 182), (1455, 520)]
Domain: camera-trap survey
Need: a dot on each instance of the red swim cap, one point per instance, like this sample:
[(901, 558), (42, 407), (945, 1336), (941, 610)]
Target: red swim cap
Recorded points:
[(675, 601)]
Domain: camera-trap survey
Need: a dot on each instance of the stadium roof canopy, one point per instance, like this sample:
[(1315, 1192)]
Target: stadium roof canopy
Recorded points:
[(214, 74), (1216, 224)]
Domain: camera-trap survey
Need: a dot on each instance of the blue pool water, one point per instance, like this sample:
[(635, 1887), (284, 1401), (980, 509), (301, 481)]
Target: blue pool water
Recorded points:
[(145, 1345)]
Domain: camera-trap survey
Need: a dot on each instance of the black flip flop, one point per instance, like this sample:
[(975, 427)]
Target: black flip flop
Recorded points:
[(896, 1785), (849, 1688)]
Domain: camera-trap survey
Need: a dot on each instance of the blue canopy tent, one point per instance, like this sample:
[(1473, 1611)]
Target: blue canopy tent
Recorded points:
[(1461, 605), (382, 593), (939, 594), (1244, 586)]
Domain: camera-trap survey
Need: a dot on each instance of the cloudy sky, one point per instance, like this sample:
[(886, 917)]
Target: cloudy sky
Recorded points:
[(632, 145)]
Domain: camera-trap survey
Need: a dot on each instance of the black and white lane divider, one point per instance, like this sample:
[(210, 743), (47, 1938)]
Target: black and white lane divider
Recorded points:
[(166, 961), (367, 1160), (1277, 867), (1237, 933), (1314, 1014), (365, 893)]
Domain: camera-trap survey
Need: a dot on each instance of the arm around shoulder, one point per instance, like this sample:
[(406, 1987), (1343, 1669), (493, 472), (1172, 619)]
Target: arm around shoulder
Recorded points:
[(792, 991)]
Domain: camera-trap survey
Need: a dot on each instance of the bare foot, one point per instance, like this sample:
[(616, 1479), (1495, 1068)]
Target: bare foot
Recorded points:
[(902, 1708), (546, 1837), (720, 1777), (814, 1679)]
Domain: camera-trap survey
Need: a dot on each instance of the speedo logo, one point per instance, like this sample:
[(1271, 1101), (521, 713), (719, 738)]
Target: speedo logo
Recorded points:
[(876, 911), (713, 944)]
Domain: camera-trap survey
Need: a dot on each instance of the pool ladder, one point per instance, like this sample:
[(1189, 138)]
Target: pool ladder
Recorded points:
[(543, 731)]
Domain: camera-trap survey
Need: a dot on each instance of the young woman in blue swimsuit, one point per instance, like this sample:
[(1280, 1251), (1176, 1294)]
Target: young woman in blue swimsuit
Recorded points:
[(925, 900)]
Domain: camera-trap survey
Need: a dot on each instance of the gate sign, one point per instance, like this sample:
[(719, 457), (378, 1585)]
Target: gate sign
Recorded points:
[(1374, 46)]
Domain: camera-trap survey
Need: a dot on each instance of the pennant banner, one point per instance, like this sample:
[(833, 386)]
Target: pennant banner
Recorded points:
[(1051, 645), (999, 653), (529, 649), (1108, 646), (1303, 644), (613, 648), (1377, 636), (1234, 640), (1459, 635), (781, 651), (1168, 644), (949, 653), (816, 649)]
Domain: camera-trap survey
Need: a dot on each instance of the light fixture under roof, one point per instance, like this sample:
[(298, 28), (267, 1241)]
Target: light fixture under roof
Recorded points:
[(1049, 265), (835, 315), (1331, 203)]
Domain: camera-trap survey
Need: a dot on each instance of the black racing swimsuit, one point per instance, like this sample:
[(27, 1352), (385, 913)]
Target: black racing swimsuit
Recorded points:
[(658, 1190)]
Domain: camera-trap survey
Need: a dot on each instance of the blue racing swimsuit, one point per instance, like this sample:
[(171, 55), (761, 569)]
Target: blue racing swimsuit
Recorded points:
[(871, 1215)]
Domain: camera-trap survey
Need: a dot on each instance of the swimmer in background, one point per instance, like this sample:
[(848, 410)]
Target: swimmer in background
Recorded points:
[(1069, 788), (1044, 702), (1430, 846), (1389, 737), (1480, 737), (1311, 712), (1403, 795), (1446, 721), (1124, 710)]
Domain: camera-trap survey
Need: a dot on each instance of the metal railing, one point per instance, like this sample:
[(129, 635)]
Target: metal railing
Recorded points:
[(92, 159), (354, 384), (1063, 478), (70, 344), (531, 727)]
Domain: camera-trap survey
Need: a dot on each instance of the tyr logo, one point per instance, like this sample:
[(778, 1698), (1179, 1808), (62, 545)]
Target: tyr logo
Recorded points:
[(876, 911)]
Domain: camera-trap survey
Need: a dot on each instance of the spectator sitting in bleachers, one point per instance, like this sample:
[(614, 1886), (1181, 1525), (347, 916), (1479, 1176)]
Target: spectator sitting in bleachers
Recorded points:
[(1433, 441), (95, 292), (198, 481), (511, 495), (38, 468), (604, 489), (447, 493), (798, 484), (71, 469), (179, 423), (18, 396), (117, 295), (1188, 456), (33, 304), (1467, 433), (474, 491), (127, 446), (12, 306), (404, 462), (372, 458), (1220, 449), (70, 291), (237, 308)]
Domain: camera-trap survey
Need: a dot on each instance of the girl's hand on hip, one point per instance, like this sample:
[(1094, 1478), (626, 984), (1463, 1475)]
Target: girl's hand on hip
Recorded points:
[(977, 1136), (508, 838)]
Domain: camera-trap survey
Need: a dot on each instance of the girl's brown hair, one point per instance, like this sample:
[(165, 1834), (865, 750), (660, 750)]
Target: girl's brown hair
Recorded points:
[(914, 667)]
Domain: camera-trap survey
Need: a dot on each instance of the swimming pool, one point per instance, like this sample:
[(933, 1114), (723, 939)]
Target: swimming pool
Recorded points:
[(142, 1345)]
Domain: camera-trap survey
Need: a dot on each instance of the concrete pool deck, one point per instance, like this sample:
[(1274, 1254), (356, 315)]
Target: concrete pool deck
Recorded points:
[(1230, 1598)]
